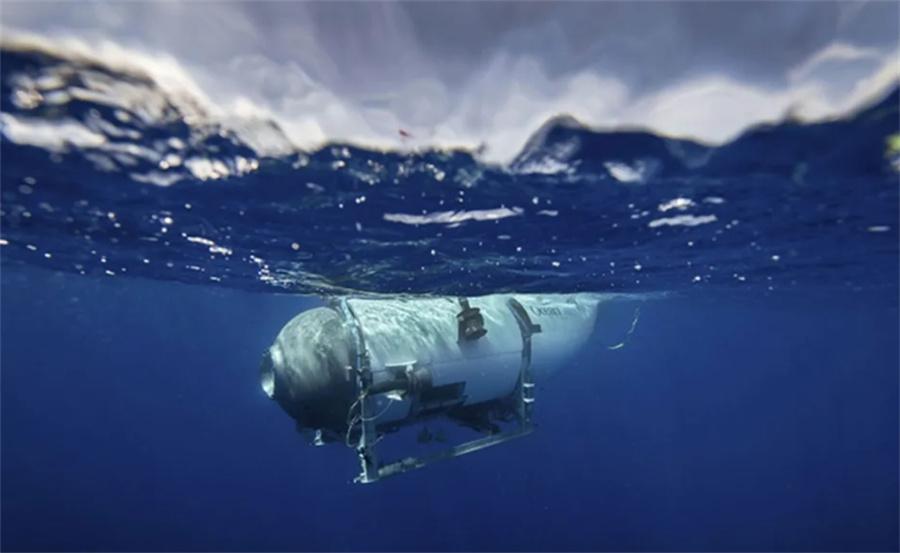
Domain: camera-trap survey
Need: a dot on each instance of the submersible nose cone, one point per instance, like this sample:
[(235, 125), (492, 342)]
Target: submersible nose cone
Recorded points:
[(305, 370)]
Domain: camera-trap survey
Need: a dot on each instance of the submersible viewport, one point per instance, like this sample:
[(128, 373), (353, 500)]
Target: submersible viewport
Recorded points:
[(359, 368)]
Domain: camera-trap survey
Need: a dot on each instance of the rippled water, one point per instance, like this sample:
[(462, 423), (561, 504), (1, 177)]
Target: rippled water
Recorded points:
[(105, 173)]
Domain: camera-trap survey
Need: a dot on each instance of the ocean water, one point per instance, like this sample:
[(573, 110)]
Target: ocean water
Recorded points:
[(150, 254)]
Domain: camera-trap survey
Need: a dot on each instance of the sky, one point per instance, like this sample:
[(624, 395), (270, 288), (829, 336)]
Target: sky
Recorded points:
[(489, 73)]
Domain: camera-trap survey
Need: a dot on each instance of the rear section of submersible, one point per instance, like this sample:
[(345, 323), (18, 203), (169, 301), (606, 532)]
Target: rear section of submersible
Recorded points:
[(360, 368)]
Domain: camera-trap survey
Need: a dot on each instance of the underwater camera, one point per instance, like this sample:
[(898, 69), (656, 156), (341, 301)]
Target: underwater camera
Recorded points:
[(359, 369)]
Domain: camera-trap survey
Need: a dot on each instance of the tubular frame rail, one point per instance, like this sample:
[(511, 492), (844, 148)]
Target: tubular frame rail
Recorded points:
[(372, 470)]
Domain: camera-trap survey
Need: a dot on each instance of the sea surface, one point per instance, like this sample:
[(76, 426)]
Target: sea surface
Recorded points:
[(150, 252)]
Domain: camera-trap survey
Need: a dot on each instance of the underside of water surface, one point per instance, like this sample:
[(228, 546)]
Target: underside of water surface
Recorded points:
[(106, 174)]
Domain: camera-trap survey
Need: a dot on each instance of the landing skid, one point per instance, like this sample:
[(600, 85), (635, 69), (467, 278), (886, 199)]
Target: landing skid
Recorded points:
[(408, 464)]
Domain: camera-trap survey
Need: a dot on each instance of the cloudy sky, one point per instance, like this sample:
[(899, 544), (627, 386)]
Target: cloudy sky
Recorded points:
[(470, 73)]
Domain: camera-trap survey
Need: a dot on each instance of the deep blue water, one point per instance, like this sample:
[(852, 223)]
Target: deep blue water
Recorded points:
[(132, 419), (754, 407)]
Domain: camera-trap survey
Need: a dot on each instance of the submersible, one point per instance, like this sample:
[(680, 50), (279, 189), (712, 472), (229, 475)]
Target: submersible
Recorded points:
[(357, 369)]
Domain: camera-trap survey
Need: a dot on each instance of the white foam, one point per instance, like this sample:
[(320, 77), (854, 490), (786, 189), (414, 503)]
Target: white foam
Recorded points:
[(51, 135), (623, 172), (683, 220), (453, 217), (677, 203)]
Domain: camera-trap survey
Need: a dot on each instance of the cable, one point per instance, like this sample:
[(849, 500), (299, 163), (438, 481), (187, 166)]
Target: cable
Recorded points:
[(350, 426), (634, 322), (383, 411), (352, 421), (350, 410)]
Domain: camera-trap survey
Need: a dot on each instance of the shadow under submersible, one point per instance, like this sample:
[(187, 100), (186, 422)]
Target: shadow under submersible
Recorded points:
[(359, 369)]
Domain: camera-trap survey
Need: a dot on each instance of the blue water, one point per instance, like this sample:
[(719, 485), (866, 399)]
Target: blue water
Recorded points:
[(754, 407)]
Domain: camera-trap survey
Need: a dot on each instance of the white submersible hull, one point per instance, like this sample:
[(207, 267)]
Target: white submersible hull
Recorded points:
[(360, 368)]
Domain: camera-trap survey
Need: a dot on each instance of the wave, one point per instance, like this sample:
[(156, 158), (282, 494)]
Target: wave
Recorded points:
[(109, 172), (160, 91)]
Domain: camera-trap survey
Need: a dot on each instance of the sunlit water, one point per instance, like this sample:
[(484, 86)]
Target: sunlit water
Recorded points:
[(106, 175), (754, 407)]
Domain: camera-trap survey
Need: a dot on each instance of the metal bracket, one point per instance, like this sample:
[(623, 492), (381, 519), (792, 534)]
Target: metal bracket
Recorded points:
[(470, 323)]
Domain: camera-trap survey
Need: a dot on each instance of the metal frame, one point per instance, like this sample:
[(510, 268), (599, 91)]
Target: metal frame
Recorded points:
[(365, 448), (371, 469)]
